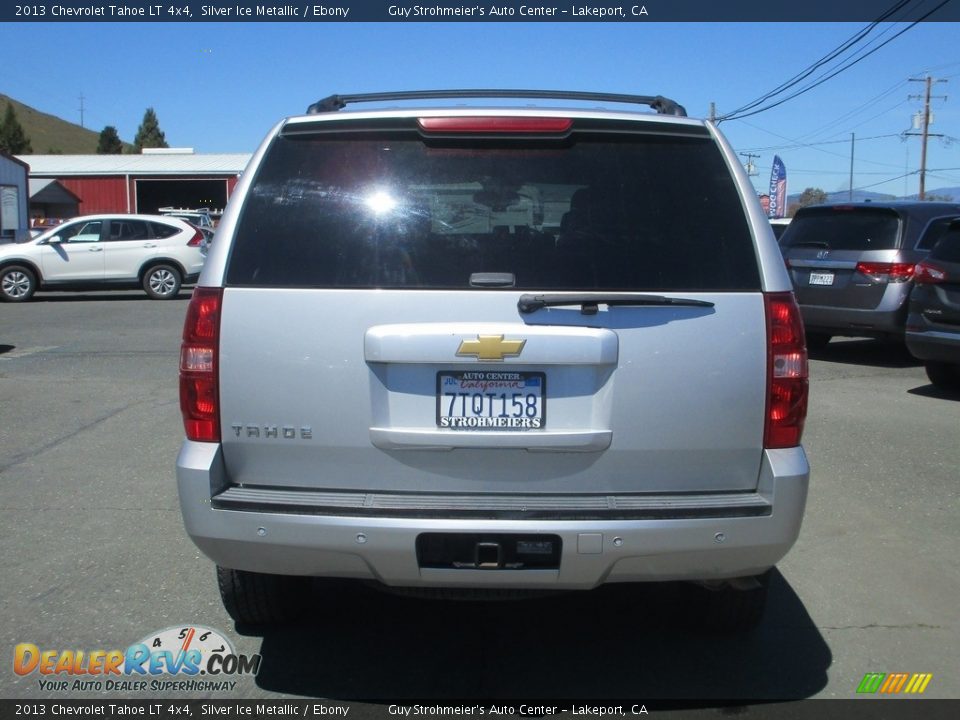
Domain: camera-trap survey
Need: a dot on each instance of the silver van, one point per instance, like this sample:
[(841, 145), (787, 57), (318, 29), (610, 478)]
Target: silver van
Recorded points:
[(460, 347), (852, 264)]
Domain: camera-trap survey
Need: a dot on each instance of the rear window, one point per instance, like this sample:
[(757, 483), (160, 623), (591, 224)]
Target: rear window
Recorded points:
[(600, 211), (162, 230), (934, 231), (948, 247), (844, 228)]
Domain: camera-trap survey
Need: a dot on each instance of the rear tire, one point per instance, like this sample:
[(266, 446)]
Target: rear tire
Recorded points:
[(730, 609), (162, 282), (944, 375), (17, 283), (817, 341), (259, 599)]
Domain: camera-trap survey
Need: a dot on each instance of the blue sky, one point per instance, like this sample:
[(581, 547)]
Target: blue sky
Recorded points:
[(220, 87)]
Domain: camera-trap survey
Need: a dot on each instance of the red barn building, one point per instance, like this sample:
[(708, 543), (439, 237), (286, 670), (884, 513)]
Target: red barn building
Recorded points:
[(168, 177)]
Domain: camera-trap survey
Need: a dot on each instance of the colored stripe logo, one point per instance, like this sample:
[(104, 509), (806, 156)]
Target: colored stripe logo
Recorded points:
[(894, 683)]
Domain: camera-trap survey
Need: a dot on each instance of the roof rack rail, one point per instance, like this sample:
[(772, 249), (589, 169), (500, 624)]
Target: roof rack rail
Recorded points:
[(663, 106)]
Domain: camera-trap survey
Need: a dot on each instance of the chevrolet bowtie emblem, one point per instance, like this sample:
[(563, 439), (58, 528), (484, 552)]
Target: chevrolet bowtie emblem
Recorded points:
[(490, 347)]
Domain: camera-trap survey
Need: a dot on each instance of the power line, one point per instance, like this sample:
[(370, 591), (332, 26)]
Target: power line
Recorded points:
[(884, 182), (822, 79), (777, 148), (810, 69), (870, 103), (738, 114), (836, 172), (873, 101), (812, 147)]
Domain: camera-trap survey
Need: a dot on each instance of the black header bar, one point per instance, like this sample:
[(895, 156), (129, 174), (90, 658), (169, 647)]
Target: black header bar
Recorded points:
[(519, 11)]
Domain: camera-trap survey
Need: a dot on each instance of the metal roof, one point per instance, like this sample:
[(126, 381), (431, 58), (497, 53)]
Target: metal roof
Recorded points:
[(48, 190), (159, 164)]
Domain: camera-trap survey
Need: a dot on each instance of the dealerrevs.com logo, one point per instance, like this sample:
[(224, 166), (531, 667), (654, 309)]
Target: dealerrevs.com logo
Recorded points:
[(179, 658)]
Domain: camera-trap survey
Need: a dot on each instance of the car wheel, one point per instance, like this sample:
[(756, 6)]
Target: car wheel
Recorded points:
[(944, 375), (260, 599), (162, 282), (817, 341), (736, 606), (17, 283)]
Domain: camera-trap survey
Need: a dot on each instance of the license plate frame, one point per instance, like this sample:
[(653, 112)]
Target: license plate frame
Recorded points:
[(822, 279), (504, 400)]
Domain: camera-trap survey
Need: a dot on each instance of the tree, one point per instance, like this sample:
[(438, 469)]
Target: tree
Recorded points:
[(149, 134), (13, 140), (812, 196), (109, 143)]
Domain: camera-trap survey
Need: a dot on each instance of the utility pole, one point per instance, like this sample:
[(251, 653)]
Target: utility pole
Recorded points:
[(852, 139), (925, 128), (713, 112), (81, 111), (750, 167)]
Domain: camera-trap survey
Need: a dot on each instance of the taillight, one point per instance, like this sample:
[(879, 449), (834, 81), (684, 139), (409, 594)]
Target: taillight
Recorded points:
[(929, 274), (196, 240), (199, 387), (884, 271), (495, 124), (787, 374)]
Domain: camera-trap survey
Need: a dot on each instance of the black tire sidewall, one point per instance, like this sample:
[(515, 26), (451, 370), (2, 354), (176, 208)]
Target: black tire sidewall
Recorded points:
[(943, 375), (149, 273), (26, 271)]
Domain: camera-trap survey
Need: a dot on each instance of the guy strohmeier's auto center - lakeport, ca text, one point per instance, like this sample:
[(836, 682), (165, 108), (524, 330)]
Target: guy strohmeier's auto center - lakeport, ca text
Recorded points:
[(494, 11)]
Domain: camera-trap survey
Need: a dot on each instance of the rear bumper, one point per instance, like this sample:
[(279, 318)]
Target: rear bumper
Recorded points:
[(594, 551), (846, 321), (934, 345), (887, 318)]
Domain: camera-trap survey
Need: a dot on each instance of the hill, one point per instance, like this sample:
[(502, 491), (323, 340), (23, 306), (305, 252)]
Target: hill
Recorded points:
[(951, 194), (842, 195), (49, 134)]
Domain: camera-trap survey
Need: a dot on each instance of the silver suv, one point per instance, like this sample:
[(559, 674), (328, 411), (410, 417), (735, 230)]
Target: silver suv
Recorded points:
[(515, 348)]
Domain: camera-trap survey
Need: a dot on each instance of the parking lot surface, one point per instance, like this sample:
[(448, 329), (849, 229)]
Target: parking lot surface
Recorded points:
[(96, 558)]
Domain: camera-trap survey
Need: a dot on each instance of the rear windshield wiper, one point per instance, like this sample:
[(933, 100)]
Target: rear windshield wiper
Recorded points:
[(589, 304)]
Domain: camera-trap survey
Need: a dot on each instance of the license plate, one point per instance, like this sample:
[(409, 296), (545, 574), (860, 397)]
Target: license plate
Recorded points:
[(821, 278), (491, 400)]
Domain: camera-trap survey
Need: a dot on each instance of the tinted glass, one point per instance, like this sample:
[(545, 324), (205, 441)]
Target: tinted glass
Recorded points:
[(605, 211), (162, 230), (844, 228), (948, 248), (128, 230), (934, 231)]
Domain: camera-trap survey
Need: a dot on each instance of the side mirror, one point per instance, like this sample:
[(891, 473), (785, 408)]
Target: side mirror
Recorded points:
[(54, 240)]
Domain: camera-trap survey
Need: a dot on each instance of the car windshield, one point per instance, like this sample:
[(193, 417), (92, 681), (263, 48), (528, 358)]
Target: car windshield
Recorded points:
[(602, 212), (843, 228)]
